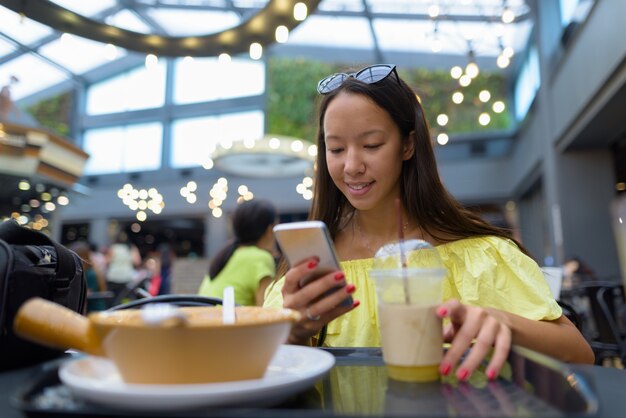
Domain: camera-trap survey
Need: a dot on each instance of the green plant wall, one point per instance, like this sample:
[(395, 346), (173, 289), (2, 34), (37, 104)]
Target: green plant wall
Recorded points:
[(54, 113), (292, 98)]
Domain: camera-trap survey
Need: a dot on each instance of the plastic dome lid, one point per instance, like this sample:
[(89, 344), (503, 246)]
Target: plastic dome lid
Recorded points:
[(413, 254)]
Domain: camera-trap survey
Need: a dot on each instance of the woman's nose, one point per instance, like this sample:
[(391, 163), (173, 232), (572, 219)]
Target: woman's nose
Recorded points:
[(353, 163)]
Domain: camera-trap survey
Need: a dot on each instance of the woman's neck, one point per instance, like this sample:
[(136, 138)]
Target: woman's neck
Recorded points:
[(366, 231)]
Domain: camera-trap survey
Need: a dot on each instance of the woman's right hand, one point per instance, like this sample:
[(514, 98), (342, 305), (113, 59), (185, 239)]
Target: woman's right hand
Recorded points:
[(317, 305)]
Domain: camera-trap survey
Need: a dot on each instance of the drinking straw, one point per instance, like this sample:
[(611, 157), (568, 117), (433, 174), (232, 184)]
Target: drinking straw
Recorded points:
[(405, 279), (228, 305)]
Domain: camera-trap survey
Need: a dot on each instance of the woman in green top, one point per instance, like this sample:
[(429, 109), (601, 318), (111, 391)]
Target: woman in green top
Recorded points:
[(374, 147), (247, 263)]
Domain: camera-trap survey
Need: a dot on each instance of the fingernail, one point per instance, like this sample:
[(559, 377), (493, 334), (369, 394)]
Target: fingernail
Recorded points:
[(491, 374), (350, 289), (442, 311), (312, 264), (462, 374), (355, 304), (339, 276), (445, 368)]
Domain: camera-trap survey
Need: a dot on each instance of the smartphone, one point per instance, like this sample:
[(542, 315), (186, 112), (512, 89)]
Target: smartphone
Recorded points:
[(300, 241)]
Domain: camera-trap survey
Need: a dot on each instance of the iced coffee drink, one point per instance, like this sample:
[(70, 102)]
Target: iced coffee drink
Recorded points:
[(408, 294)]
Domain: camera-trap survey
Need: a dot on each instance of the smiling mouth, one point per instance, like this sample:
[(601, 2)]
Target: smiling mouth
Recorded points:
[(359, 186)]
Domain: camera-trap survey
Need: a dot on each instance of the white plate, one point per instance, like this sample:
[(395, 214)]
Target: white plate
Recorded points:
[(293, 368)]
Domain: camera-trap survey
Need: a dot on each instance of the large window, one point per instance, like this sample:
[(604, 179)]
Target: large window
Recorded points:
[(194, 139), (206, 79), (527, 84), (142, 88), (123, 148)]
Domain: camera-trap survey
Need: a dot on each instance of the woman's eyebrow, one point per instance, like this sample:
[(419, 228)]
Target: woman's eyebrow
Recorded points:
[(360, 136)]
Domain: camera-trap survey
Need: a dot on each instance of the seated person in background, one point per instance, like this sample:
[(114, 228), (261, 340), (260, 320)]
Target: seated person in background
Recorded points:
[(576, 271), (247, 263), (123, 259), (374, 147), (95, 279), (152, 270)]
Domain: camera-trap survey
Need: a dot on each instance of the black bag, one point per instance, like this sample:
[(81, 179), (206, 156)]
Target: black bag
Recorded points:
[(32, 264)]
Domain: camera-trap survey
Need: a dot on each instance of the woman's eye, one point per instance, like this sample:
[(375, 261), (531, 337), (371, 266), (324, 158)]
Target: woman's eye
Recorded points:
[(373, 146), (335, 150)]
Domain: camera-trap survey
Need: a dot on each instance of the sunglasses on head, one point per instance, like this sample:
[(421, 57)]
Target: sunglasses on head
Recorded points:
[(369, 75)]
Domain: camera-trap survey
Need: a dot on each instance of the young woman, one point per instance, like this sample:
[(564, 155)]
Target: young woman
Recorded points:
[(374, 147), (247, 263)]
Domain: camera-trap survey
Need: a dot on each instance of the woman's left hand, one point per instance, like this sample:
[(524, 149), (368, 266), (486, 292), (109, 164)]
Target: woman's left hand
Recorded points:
[(479, 329)]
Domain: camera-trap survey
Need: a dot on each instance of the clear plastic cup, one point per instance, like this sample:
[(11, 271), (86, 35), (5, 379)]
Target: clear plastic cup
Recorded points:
[(408, 277)]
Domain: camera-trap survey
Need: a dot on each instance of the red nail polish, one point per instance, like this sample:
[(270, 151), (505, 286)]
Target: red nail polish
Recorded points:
[(350, 289), (445, 368), (355, 304), (339, 276), (442, 311), (312, 264), (491, 374), (462, 374)]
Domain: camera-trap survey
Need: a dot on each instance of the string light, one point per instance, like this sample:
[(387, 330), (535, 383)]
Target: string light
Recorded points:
[(304, 188), (218, 194), (498, 106), (256, 51), (141, 200), (433, 10), (189, 192), (282, 34), (151, 61), (502, 61), (456, 72), (244, 194), (472, 69), (300, 11), (224, 58), (507, 14), (484, 96)]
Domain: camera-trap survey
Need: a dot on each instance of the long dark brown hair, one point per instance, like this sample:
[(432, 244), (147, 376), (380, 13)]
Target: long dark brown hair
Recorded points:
[(423, 194), (250, 221)]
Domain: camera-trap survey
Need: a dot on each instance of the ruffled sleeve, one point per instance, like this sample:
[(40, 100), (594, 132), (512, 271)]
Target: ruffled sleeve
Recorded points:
[(492, 272), (357, 328), (273, 296)]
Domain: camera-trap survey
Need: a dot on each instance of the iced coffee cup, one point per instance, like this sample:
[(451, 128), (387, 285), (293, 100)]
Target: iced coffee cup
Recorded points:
[(408, 277)]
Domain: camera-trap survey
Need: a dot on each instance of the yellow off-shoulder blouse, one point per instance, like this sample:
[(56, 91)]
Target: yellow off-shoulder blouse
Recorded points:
[(484, 271)]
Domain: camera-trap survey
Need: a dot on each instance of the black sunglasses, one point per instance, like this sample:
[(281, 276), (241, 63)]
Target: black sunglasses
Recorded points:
[(369, 75)]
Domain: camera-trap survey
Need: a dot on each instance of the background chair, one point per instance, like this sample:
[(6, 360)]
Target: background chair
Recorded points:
[(610, 341), (605, 301), (178, 300), (134, 290)]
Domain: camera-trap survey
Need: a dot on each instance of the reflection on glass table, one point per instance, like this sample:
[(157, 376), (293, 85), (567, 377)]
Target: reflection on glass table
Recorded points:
[(358, 385)]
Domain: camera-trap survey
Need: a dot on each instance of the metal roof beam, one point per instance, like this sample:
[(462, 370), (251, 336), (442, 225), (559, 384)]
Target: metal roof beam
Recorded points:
[(377, 52), (139, 10), (26, 49), (419, 16), (352, 13)]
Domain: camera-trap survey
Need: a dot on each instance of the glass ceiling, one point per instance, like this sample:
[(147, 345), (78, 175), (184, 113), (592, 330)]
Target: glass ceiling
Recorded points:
[(426, 32)]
